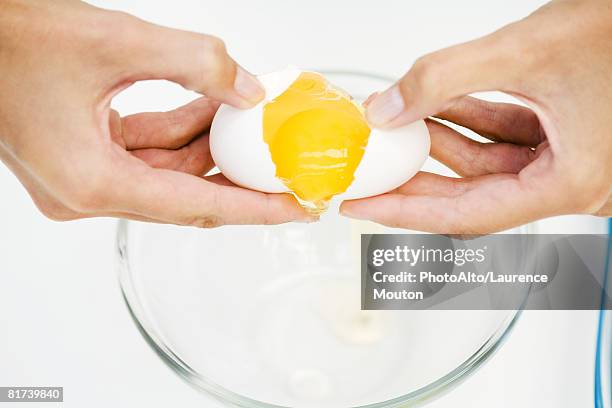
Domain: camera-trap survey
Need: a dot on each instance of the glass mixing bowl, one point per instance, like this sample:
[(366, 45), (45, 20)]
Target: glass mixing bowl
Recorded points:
[(269, 316)]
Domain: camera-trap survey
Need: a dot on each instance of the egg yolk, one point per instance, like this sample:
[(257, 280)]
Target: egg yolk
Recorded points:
[(317, 136)]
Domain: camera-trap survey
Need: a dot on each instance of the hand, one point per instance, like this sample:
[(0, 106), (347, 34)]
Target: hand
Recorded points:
[(552, 159), (61, 63)]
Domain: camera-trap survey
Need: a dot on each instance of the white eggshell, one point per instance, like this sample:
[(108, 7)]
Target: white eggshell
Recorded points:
[(236, 139), (391, 158)]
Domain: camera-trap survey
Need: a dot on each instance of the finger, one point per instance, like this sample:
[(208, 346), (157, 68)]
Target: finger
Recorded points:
[(198, 62), (500, 122), (369, 99), (469, 158), (435, 80), (424, 183), (184, 199), (496, 203), (167, 130), (220, 179), (194, 158), (131, 217), (112, 214)]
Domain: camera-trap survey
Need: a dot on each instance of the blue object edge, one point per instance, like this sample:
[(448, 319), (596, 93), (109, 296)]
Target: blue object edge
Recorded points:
[(602, 401)]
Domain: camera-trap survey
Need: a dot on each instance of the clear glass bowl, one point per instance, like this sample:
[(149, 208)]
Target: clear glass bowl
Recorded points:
[(269, 316)]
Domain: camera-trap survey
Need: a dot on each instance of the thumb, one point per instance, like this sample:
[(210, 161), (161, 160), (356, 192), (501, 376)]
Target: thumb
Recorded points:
[(198, 62), (435, 80)]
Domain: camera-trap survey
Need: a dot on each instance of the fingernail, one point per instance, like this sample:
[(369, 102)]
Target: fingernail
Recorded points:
[(248, 86), (368, 101), (346, 212), (385, 107)]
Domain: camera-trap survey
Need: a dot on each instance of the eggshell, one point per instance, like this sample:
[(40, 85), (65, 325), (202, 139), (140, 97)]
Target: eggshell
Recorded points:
[(391, 158), (236, 139)]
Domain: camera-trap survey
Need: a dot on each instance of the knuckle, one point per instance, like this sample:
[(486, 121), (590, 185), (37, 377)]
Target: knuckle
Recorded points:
[(425, 74), (463, 220), (214, 61), (513, 37), (490, 113), (176, 128), (211, 219), (214, 55), (101, 33), (519, 39), (115, 19), (103, 28), (205, 221), (214, 46), (267, 219)]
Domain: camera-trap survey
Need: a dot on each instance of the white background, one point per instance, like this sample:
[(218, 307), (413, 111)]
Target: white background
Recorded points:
[(62, 319)]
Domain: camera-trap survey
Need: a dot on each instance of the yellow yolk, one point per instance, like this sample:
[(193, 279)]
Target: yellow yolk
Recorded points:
[(317, 136)]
